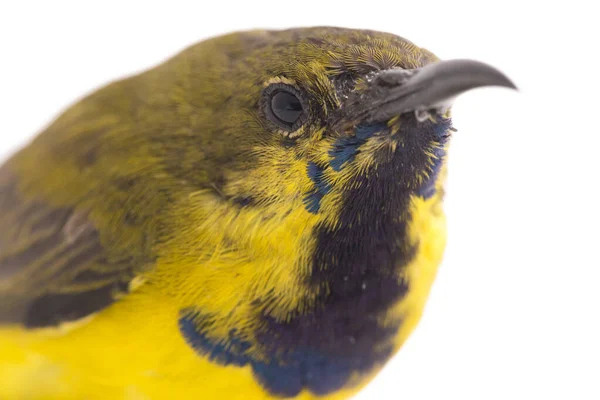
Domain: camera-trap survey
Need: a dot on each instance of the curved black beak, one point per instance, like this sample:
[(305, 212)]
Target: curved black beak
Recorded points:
[(432, 87)]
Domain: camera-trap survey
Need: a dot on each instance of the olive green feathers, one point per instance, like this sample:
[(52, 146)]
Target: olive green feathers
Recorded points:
[(258, 217)]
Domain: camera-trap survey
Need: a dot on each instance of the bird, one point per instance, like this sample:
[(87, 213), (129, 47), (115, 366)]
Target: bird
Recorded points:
[(258, 217)]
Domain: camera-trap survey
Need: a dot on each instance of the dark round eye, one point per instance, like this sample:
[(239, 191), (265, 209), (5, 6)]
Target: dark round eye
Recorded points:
[(285, 106)]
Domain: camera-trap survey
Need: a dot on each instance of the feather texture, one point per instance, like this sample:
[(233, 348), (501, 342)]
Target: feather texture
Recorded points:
[(164, 239)]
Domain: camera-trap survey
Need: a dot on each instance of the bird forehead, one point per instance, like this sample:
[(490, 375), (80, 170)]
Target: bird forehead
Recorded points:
[(336, 50)]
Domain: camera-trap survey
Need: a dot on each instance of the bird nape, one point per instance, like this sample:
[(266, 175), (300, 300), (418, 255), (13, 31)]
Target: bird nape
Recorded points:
[(258, 217)]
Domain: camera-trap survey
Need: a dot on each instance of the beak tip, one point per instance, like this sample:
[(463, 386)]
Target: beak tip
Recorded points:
[(508, 83), (490, 75)]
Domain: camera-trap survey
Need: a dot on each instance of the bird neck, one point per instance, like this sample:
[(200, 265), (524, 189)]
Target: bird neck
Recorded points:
[(361, 264)]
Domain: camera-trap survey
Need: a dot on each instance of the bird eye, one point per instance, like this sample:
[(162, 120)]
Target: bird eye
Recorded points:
[(285, 107)]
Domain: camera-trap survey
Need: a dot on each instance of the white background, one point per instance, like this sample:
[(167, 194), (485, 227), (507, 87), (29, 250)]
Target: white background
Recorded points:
[(514, 311)]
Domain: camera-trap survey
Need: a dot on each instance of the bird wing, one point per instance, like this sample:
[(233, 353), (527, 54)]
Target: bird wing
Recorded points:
[(54, 266)]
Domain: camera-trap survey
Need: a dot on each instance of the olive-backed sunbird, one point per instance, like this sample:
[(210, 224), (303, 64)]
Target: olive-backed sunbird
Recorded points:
[(259, 217)]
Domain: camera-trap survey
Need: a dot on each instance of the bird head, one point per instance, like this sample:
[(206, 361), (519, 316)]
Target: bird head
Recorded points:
[(301, 119)]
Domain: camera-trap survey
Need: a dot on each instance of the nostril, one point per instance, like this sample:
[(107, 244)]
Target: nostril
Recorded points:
[(392, 77)]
